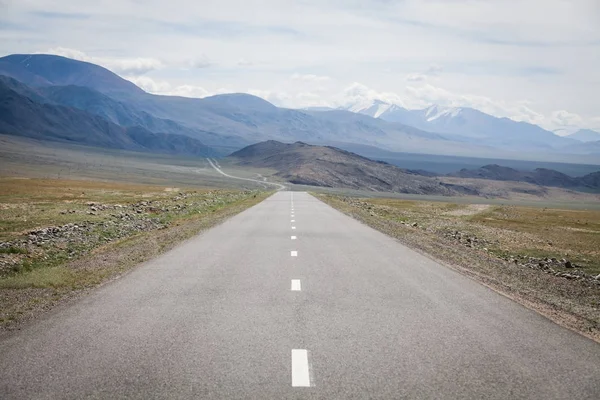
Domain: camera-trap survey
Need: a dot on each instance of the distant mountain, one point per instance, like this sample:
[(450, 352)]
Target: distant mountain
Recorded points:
[(539, 176), (127, 115), (585, 135), (468, 125), (304, 164), (318, 108), (48, 70), (591, 148), (27, 116), (231, 121), (386, 111), (234, 120)]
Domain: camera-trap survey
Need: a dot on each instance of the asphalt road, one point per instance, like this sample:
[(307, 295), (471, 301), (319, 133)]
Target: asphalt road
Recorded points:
[(235, 313)]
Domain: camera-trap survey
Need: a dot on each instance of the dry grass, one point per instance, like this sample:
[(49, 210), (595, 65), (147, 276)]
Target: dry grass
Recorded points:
[(510, 230), (29, 203)]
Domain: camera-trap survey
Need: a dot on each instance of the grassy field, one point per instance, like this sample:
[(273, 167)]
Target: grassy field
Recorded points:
[(59, 238), (21, 157), (509, 231), (519, 251)]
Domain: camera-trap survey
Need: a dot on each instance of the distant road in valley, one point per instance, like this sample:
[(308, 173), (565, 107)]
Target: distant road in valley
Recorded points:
[(216, 166)]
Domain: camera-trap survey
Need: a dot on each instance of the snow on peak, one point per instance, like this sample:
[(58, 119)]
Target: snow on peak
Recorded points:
[(435, 111), (374, 108)]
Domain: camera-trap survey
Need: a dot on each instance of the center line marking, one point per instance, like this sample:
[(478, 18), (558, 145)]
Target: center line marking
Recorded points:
[(293, 220), (294, 253), (293, 227), (293, 237), (296, 287), (300, 373)]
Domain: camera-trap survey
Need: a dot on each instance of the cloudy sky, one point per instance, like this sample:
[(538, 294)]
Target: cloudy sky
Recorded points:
[(531, 60)]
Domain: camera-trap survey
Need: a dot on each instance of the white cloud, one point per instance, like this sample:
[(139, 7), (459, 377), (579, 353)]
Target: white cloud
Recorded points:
[(416, 77), (164, 88), (125, 66), (200, 62), (310, 77), (150, 85), (357, 92), (565, 118), (242, 62), (277, 98)]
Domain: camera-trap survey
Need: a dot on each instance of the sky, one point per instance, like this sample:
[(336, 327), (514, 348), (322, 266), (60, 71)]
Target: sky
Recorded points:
[(530, 60)]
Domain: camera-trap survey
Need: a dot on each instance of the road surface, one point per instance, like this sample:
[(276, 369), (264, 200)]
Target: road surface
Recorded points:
[(263, 182), (293, 300)]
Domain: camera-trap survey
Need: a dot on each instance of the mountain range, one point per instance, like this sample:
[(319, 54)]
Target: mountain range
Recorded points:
[(585, 135), (473, 126), (539, 176), (326, 166), (225, 123), (25, 112)]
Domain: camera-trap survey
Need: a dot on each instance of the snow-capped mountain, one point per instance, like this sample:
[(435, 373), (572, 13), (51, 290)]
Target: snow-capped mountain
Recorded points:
[(386, 111), (585, 135), (466, 124), (434, 112), (372, 108)]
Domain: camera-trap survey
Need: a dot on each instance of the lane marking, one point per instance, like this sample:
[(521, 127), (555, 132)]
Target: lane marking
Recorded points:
[(293, 237), (296, 286), (294, 253), (300, 373), (293, 227), (293, 220)]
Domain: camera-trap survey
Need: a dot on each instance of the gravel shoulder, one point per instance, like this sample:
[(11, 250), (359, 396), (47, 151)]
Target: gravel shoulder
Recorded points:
[(541, 258)]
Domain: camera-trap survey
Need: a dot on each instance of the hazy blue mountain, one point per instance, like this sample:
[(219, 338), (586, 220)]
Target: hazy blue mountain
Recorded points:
[(47, 70), (585, 135), (539, 176), (127, 115), (246, 117), (24, 116), (591, 148), (234, 120), (468, 125)]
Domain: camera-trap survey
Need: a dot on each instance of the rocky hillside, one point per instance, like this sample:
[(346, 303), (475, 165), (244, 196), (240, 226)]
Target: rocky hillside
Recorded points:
[(326, 166), (539, 176), (26, 112)]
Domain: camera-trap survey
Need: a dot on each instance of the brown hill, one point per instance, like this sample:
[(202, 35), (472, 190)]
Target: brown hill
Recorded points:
[(539, 176), (304, 164)]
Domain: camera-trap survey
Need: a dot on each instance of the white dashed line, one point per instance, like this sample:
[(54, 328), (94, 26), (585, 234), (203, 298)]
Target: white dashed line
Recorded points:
[(293, 237), (296, 287), (294, 253), (293, 227), (293, 220), (300, 372)]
